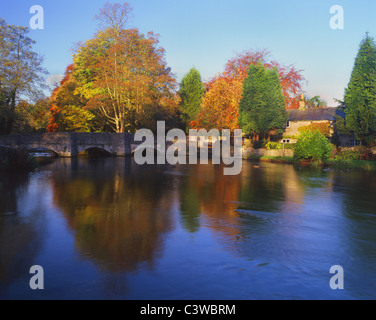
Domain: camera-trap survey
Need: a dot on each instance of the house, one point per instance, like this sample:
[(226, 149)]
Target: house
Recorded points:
[(303, 117)]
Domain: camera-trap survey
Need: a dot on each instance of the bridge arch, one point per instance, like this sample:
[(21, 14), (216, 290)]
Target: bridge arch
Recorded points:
[(99, 148), (42, 150), (94, 151)]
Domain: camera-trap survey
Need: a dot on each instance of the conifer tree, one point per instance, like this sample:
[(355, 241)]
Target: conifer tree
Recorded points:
[(191, 93), (262, 107), (360, 95)]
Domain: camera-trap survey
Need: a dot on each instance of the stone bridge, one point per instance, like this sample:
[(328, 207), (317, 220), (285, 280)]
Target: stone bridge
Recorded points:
[(71, 144)]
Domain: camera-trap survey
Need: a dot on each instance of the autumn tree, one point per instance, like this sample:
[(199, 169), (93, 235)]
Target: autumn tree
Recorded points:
[(67, 108), (360, 95), (262, 107), (21, 71), (32, 117), (234, 75), (220, 105), (123, 74), (191, 93), (290, 77)]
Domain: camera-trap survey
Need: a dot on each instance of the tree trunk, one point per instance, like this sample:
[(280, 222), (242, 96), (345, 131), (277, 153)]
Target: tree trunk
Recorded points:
[(10, 120)]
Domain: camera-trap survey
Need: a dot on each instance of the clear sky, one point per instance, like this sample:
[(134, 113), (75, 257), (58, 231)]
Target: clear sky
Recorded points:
[(206, 33)]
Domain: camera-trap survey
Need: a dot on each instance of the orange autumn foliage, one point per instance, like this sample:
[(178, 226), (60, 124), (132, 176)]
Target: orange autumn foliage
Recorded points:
[(220, 105), (290, 77), (55, 110)]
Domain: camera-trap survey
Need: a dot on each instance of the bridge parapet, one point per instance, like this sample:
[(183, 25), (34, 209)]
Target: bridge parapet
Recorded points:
[(71, 144)]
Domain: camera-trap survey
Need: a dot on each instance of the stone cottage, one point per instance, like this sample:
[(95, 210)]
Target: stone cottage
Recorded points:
[(303, 117)]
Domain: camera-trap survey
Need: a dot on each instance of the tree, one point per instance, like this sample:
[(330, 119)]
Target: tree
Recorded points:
[(360, 95), (262, 107), (114, 16), (315, 102), (67, 108), (191, 93), (226, 86), (124, 76), (32, 117), (21, 71), (291, 78), (220, 105)]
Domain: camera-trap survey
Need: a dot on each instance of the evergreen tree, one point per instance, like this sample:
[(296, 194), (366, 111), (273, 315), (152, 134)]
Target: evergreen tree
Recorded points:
[(262, 107), (360, 95), (191, 93)]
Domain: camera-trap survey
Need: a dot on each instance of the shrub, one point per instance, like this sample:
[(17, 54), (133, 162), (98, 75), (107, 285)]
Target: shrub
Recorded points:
[(290, 146), (273, 145), (313, 146), (348, 155)]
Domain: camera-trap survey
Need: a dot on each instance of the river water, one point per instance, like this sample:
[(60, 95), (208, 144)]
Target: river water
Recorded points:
[(107, 228)]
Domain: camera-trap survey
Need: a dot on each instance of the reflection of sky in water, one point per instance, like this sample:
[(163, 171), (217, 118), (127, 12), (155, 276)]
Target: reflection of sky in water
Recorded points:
[(107, 228)]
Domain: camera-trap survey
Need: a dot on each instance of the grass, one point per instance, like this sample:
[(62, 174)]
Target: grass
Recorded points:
[(272, 159)]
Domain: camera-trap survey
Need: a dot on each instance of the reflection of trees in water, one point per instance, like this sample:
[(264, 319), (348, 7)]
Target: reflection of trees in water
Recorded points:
[(207, 196), (20, 230), (358, 191), (264, 203), (118, 211)]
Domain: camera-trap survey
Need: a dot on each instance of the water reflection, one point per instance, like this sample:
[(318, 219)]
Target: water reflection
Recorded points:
[(119, 211), (188, 231), (21, 228)]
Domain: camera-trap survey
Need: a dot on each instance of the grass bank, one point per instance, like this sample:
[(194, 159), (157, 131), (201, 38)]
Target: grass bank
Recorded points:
[(337, 164), (271, 159)]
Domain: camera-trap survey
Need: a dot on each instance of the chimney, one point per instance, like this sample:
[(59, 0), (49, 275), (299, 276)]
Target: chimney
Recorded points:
[(302, 104)]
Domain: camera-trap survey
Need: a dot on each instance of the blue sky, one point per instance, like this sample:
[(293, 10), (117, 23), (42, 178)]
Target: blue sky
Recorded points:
[(206, 33)]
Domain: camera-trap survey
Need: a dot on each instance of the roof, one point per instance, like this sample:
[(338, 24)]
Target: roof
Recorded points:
[(315, 114)]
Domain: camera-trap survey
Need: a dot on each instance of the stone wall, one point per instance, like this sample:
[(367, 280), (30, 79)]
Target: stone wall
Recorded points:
[(248, 152), (71, 144)]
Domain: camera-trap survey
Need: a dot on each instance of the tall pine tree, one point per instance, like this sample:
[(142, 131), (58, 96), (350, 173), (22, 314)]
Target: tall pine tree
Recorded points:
[(191, 93), (360, 95), (262, 107)]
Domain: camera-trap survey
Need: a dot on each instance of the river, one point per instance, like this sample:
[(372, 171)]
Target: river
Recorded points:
[(106, 228)]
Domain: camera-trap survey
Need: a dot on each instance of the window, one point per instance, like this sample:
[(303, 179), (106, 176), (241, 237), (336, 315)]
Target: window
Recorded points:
[(288, 124), (354, 143), (286, 140)]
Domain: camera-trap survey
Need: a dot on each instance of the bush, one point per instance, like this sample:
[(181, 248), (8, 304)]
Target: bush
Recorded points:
[(313, 146), (348, 155), (273, 145), (290, 146)]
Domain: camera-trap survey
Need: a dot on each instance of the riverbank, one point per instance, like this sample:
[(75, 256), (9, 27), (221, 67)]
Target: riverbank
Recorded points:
[(272, 159), (331, 163), (345, 158), (12, 159), (351, 164)]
